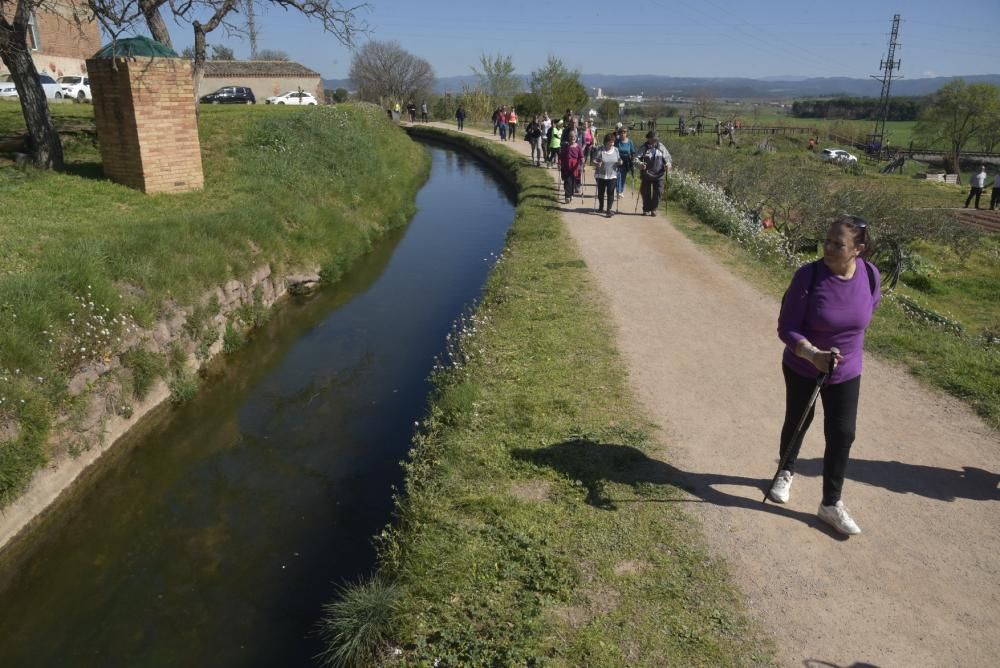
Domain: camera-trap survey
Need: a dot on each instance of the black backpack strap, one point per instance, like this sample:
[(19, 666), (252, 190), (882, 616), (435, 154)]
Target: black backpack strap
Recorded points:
[(871, 276), (812, 277)]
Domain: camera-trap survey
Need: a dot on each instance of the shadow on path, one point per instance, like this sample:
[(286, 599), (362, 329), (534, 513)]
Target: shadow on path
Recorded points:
[(594, 465), (930, 481)]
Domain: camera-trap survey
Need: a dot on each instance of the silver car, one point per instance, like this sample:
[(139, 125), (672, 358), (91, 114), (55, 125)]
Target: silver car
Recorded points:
[(8, 90)]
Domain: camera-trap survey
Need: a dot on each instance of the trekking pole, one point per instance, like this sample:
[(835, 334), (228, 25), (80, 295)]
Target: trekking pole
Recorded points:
[(798, 429)]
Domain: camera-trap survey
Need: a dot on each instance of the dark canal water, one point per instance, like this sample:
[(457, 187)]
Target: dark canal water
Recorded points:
[(214, 536)]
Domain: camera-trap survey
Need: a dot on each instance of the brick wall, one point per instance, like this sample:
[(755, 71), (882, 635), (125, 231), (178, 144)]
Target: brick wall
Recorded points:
[(65, 41), (146, 123), (60, 33)]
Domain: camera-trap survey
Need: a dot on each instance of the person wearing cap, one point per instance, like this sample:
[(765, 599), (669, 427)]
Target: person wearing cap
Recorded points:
[(654, 166)]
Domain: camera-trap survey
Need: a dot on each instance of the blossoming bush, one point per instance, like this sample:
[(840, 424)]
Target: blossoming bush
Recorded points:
[(713, 207)]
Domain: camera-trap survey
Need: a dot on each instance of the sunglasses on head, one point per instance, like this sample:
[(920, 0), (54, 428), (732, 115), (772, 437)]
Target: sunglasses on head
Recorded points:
[(857, 221)]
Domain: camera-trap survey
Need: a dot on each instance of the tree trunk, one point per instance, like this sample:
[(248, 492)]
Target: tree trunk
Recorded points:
[(958, 163), (154, 20), (45, 143), (198, 66)]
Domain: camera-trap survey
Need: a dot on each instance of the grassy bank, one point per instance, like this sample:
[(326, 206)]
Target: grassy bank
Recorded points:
[(85, 263), (536, 526)]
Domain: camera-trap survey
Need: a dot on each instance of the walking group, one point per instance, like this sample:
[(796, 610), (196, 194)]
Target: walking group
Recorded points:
[(571, 145), (824, 314)]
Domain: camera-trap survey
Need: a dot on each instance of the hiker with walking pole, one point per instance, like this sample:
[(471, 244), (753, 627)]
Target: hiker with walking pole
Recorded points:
[(570, 163), (607, 162), (654, 166), (823, 318)]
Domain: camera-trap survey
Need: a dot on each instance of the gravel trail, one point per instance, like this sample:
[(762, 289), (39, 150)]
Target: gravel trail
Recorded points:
[(921, 585)]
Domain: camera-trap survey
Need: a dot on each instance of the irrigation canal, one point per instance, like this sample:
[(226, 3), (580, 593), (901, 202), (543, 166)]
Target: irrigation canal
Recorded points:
[(215, 534)]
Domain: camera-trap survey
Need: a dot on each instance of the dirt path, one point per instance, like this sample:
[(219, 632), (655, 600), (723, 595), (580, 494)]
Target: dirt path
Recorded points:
[(921, 585)]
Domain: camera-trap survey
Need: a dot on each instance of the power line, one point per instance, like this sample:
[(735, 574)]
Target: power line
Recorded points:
[(876, 140)]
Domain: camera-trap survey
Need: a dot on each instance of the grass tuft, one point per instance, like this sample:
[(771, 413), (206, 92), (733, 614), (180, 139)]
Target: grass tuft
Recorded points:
[(146, 366), (357, 626)]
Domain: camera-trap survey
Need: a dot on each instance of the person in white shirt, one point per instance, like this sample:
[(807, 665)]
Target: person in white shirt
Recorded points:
[(607, 161), (978, 182)]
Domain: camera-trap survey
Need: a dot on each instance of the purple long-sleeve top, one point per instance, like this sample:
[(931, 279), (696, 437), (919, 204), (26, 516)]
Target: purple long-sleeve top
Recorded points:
[(834, 315)]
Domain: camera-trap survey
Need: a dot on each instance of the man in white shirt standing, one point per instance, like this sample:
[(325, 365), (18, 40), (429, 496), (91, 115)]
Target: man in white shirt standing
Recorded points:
[(978, 182)]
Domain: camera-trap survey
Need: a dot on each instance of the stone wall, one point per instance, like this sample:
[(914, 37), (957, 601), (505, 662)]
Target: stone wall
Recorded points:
[(146, 123)]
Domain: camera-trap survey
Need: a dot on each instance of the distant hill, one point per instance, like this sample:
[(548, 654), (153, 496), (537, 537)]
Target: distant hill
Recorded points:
[(732, 88)]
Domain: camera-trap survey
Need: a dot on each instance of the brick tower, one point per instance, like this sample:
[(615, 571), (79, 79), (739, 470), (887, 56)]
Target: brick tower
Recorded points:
[(145, 115)]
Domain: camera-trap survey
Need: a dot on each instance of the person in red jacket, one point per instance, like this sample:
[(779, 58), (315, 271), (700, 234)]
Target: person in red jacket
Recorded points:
[(570, 162)]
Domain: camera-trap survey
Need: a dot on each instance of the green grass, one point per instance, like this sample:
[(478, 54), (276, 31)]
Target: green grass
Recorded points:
[(962, 365), (538, 526), (84, 261)]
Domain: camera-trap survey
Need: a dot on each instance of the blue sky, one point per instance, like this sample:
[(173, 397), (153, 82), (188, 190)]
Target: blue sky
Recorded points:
[(669, 37)]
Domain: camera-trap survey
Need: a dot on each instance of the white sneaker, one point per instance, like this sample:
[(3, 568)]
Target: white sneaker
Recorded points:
[(782, 486), (838, 517)]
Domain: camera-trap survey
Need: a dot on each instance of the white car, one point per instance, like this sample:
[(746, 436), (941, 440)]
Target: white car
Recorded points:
[(76, 88), (292, 97), (53, 90), (836, 155)]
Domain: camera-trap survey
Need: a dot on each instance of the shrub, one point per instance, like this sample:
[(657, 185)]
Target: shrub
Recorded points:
[(356, 627)]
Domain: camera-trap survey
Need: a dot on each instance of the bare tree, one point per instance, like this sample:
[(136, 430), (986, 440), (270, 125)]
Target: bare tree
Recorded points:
[(704, 103), (15, 51), (154, 21), (382, 70), (205, 16)]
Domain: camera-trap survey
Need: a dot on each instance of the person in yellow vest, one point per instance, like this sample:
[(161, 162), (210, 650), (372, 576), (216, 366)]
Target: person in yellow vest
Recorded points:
[(555, 140)]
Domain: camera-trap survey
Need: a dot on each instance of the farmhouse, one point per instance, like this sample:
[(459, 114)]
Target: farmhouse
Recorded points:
[(264, 77), (61, 37)]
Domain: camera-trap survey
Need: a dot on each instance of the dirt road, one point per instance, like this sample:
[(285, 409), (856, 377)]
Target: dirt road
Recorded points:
[(921, 585)]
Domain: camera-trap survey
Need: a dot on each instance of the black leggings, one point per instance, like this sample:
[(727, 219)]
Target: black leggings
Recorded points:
[(840, 416), (606, 186)]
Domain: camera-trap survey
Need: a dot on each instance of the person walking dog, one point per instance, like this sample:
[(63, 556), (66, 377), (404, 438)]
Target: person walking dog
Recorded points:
[(654, 166), (828, 305)]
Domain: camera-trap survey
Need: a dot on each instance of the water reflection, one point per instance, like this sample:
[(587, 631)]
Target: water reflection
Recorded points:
[(212, 537)]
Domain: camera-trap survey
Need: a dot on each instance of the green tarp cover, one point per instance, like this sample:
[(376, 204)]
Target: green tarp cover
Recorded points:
[(136, 46)]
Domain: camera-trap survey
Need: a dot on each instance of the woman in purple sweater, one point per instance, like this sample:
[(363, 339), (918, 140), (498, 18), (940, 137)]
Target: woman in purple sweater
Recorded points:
[(828, 305)]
